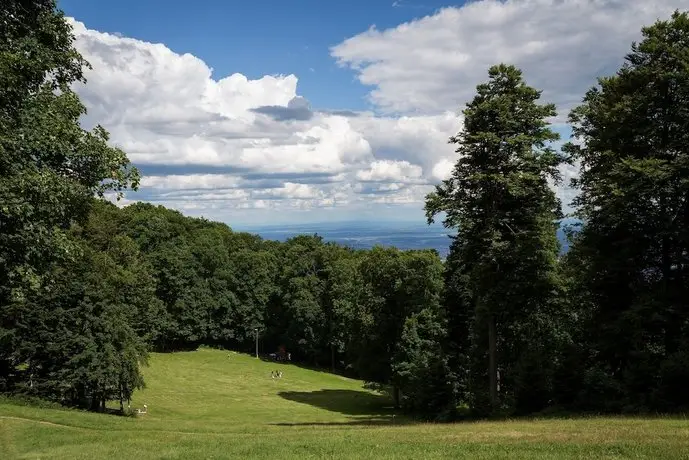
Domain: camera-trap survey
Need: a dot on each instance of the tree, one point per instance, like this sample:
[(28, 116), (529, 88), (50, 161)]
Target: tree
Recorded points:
[(302, 291), (397, 285), (86, 334), (342, 297), (253, 283), (50, 168), (421, 369), (632, 254), (503, 258)]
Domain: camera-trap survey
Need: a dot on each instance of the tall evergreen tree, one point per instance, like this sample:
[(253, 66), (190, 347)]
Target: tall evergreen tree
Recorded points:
[(502, 266), (631, 257)]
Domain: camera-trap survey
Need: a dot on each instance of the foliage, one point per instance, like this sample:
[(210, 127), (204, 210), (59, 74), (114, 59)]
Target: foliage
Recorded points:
[(420, 367), (50, 169), (631, 257), (503, 261)]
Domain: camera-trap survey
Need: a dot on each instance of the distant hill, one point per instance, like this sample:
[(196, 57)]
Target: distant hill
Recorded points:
[(365, 235)]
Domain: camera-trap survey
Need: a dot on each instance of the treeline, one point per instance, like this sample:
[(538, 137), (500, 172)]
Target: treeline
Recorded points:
[(505, 326), (148, 278)]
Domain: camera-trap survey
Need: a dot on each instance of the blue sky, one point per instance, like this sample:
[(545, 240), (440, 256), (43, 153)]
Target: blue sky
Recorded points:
[(272, 112)]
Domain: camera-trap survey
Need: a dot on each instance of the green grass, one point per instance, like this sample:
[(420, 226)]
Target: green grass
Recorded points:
[(213, 404)]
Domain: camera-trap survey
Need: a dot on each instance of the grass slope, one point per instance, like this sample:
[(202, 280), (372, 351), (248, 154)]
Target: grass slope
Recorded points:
[(213, 404)]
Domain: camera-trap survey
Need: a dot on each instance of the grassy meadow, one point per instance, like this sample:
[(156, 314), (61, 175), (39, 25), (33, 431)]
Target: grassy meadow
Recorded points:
[(212, 404)]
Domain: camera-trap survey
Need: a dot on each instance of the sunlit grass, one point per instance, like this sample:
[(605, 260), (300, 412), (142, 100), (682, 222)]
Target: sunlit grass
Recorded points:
[(214, 404)]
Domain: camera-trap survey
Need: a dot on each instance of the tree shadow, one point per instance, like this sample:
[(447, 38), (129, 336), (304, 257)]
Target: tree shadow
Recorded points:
[(366, 421), (365, 408), (310, 367), (347, 402)]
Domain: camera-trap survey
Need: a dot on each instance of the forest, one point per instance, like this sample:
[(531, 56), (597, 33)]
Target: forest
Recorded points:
[(507, 325)]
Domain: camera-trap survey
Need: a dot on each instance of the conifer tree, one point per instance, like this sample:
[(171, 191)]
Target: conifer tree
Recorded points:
[(502, 265), (631, 257)]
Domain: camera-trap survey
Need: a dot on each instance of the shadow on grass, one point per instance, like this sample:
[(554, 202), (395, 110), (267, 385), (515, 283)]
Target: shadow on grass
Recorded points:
[(390, 421), (301, 365), (366, 409), (347, 402)]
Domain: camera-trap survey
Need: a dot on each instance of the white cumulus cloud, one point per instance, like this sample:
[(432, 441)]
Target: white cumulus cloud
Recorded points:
[(257, 143), (433, 64), (390, 171), (223, 146)]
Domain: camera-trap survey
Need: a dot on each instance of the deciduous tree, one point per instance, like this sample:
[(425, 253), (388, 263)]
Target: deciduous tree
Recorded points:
[(50, 168)]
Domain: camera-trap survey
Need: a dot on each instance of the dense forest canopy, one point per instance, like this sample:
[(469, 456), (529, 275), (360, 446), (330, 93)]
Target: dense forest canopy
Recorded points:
[(506, 325)]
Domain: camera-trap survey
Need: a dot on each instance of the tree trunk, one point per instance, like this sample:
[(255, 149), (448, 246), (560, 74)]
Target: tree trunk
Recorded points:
[(671, 329), (666, 270), (492, 362), (396, 396), (121, 399), (332, 358)]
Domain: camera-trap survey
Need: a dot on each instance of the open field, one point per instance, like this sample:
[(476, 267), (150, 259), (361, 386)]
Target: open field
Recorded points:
[(214, 404)]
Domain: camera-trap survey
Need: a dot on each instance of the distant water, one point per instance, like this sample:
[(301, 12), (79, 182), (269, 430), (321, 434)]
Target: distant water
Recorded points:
[(365, 235)]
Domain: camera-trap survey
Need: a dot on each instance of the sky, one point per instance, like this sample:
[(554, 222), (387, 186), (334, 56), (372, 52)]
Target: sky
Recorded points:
[(303, 111)]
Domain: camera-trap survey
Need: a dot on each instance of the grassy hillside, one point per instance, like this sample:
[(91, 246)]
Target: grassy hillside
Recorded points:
[(214, 404)]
